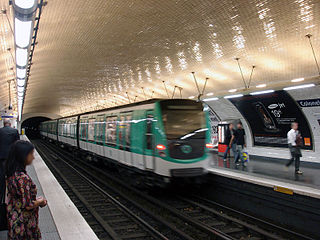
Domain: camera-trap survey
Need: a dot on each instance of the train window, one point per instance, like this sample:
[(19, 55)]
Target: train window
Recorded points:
[(149, 131), (73, 127), (182, 124), (99, 129), (91, 129), (68, 128), (111, 131), (121, 127), (54, 127), (83, 129)]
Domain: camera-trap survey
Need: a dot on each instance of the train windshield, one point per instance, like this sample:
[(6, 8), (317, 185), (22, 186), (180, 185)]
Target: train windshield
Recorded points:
[(183, 119)]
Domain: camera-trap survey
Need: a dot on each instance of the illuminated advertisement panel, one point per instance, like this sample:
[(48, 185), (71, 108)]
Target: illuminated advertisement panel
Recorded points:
[(270, 117)]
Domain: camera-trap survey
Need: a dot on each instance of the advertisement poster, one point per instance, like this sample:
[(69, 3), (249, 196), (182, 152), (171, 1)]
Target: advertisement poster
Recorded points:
[(270, 117), (214, 121)]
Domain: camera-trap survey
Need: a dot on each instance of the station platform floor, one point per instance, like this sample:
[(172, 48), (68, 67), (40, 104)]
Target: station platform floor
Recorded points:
[(60, 220), (270, 173)]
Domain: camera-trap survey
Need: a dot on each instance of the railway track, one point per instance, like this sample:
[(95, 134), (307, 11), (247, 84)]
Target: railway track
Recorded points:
[(179, 217), (109, 218)]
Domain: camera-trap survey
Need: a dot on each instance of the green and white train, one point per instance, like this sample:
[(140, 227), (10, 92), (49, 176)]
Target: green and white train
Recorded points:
[(158, 139)]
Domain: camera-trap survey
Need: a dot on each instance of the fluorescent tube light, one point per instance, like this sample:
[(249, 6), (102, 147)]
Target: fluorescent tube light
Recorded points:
[(261, 85), (22, 32), (25, 4), (21, 82), (210, 99), (20, 89), (299, 87), (232, 90), (191, 97), (21, 56), (21, 72), (297, 80), (210, 94), (234, 96), (261, 92)]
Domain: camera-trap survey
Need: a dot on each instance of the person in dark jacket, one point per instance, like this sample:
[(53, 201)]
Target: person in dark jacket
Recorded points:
[(241, 144), (8, 136), (230, 141)]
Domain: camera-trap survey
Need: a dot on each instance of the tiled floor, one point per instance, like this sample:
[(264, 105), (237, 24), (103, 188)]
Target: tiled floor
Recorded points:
[(46, 223), (272, 169)]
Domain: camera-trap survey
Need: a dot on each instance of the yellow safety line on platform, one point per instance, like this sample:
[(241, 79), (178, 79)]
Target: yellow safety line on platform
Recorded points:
[(283, 190)]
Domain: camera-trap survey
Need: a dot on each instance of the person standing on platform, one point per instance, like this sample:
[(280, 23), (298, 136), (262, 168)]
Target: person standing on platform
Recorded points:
[(294, 143), (22, 202), (240, 142), (230, 142), (8, 136)]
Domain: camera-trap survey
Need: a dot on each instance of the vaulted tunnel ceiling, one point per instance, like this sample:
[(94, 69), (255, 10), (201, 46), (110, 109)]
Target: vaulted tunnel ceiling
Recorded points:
[(90, 53)]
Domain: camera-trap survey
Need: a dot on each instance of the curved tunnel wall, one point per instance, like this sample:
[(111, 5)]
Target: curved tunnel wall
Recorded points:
[(226, 111), (27, 116)]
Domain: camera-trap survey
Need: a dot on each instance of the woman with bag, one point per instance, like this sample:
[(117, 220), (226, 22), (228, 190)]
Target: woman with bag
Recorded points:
[(22, 202)]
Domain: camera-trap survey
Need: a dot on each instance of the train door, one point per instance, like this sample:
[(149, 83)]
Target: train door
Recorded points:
[(124, 139), (111, 150), (83, 133), (128, 154), (99, 134), (90, 139), (121, 138), (149, 142)]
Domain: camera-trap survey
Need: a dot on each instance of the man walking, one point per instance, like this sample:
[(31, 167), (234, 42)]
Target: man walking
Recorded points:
[(230, 142), (294, 142), (240, 141), (8, 136)]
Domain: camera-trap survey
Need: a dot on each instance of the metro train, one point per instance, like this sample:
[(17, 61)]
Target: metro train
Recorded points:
[(158, 139)]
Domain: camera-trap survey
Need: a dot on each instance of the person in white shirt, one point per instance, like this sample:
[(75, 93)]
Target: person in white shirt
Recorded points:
[(294, 142)]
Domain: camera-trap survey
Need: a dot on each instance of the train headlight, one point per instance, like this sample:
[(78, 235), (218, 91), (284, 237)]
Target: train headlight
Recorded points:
[(161, 147)]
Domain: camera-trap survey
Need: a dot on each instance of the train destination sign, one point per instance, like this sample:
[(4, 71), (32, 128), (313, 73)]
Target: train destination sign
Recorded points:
[(309, 103)]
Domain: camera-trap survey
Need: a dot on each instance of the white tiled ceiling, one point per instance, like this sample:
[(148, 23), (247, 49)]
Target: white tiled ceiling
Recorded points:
[(90, 53)]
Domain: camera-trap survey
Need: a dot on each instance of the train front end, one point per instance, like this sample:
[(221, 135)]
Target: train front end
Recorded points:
[(182, 139)]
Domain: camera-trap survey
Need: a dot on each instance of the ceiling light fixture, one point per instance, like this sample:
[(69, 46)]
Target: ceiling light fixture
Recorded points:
[(25, 4), (22, 32), (210, 94), (297, 80), (299, 87), (21, 72), (210, 99), (21, 82), (21, 57), (24, 18), (191, 97), (232, 90), (261, 92), (233, 96), (261, 85)]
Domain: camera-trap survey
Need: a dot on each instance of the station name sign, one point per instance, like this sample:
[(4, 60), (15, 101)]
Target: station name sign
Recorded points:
[(309, 103)]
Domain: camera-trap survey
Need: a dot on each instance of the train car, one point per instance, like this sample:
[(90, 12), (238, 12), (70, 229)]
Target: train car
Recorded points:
[(43, 130), (51, 128), (162, 139), (67, 131)]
